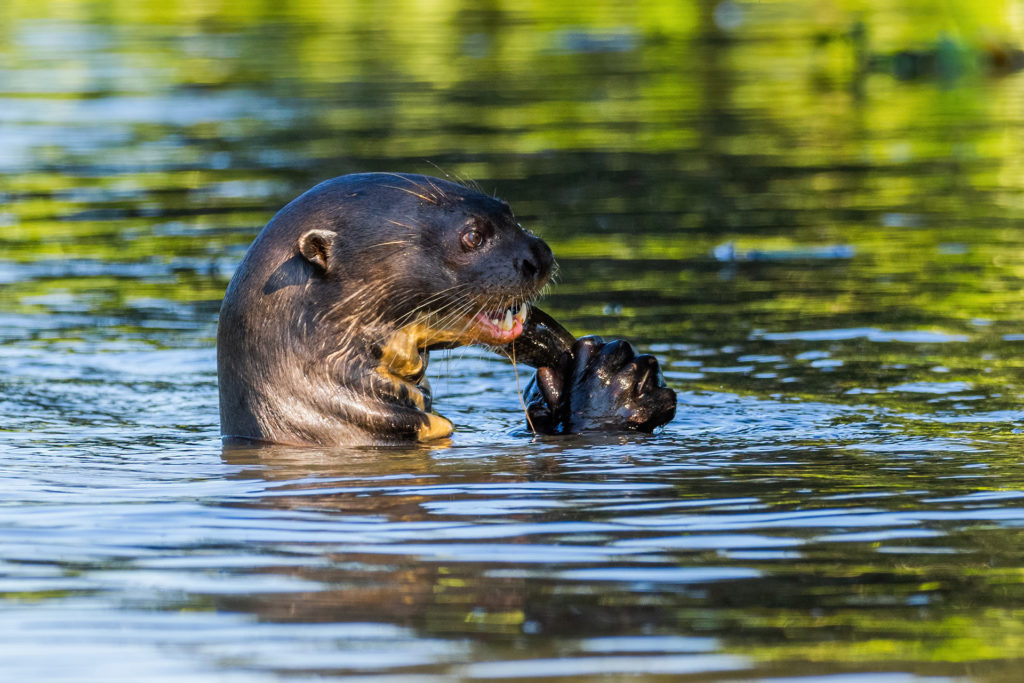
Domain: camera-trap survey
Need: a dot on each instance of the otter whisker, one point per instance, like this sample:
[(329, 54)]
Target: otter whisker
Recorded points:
[(445, 293), (454, 299), (454, 176), (445, 173), (341, 308), (468, 318), (441, 293), (439, 193), (435, 193), (481, 309), (402, 176), (426, 198), (450, 175), (384, 244), (519, 392), (458, 312), (470, 182)]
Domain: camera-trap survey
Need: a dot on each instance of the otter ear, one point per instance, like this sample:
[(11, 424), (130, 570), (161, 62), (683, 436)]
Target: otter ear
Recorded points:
[(315, 245)]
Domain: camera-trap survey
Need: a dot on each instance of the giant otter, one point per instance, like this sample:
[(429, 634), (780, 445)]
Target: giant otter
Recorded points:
[(326, 326)]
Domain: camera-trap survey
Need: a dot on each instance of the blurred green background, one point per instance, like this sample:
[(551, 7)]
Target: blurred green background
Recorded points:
[(705, 171), (810, 210)]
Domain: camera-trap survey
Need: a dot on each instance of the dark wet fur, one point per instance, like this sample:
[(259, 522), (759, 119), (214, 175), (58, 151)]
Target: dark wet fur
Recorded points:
[(299, 340), (586, 384), (337, 272)]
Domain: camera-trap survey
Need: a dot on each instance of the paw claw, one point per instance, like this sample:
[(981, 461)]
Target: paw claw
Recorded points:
[(550, 384)]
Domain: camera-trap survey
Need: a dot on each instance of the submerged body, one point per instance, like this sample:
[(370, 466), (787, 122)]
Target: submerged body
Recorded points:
[(326, 327)]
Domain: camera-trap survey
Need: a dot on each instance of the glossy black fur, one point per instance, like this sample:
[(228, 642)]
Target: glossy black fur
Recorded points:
[(331, 276), (340, 270), (599, 386)]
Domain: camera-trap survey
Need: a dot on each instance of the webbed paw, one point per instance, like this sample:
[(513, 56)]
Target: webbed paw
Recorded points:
[(600, 386)]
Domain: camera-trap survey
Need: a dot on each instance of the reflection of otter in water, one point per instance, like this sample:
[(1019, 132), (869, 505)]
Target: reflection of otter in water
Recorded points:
[(326, 325)]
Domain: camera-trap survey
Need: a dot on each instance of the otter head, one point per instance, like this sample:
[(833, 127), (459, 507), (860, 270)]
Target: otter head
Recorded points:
[(326, 325), (427, 254)]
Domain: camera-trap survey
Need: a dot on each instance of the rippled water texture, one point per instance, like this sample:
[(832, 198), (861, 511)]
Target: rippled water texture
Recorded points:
[(810, 211)]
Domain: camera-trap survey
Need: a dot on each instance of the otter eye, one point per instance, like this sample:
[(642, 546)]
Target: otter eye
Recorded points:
[(472, 239)]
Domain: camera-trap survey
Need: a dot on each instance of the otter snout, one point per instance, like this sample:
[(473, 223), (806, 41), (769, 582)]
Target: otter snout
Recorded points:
[(537, 261)]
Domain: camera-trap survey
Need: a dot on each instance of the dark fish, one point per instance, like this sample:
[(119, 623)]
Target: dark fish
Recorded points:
[(542, 342), (572, 393)]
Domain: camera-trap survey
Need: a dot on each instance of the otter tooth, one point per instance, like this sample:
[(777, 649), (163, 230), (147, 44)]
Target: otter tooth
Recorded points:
[(521, 314), (507, 321)]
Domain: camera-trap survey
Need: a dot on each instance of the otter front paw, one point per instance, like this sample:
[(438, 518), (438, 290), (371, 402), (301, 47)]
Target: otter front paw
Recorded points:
[(600, 386)]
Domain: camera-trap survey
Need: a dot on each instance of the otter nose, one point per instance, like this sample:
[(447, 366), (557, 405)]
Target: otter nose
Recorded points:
[(528, 268), (538, 260)]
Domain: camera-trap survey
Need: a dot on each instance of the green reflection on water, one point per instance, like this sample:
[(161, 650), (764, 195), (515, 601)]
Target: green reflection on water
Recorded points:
[(637, 141)]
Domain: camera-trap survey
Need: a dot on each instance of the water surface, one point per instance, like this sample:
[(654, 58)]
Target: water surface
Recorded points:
[(824, 254)]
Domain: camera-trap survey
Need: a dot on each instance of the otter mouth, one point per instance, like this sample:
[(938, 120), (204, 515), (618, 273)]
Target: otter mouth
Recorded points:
[(490, 327), (500, 326)]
